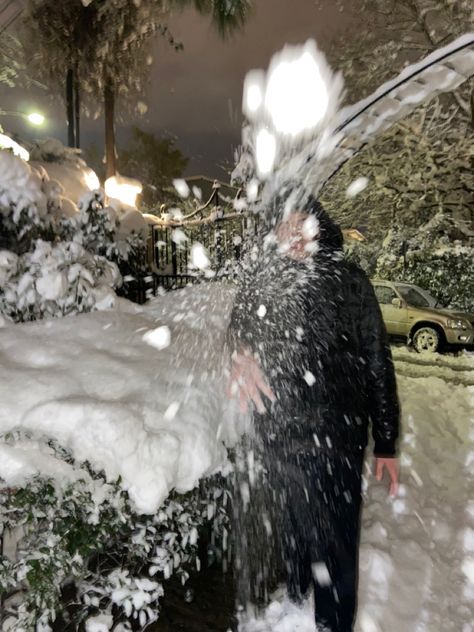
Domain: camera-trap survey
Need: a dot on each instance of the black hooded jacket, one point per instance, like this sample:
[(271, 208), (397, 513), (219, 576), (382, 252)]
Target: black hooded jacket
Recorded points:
[(316, 328)]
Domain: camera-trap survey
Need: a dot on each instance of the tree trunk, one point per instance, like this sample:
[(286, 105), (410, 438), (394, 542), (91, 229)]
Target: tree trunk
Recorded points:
[(109, 107), (77, 114), (71, 137)]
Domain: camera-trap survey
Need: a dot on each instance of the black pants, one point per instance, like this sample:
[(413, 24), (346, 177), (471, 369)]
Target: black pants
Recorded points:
[(318, 499)]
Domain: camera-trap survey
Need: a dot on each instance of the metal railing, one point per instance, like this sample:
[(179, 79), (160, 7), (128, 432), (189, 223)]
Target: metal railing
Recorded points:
[(220, 229)]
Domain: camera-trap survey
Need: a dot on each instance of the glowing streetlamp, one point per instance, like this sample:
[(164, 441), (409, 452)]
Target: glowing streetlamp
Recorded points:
[(35, 118)]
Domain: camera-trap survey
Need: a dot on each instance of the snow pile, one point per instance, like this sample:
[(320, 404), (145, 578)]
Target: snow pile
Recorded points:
[(417, 553), (99, 385)]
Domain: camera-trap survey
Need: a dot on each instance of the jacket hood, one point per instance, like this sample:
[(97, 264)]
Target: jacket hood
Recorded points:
[(330, 235)]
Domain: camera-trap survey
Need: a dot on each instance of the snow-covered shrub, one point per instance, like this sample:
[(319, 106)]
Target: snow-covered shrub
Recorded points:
[(55, 279), (98, 229), (84, 539), (25, 208), (56, 258), (439, 257)]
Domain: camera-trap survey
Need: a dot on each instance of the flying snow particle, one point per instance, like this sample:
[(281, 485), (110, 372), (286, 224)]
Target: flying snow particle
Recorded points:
[(399, 506), (254, 86), (176, 214), (197, 193), (416, 477), (310, 228), (321, 574), (142, 108), (261, 311), (159, 338), (467, 568), (178, 236), (252, 190), (240, 205), (356, 187), (199, 257), (309, 378), (181, 187), (170, 412), (265, 152)]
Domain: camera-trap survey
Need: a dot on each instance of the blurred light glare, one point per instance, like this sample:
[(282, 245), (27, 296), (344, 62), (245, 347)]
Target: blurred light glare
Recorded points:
[(92, 181), (265, 152), (297, 97), (35, 118), (8, 143), (124, 190)]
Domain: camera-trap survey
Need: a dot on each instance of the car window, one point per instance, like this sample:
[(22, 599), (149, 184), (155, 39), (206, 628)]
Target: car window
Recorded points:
[(413, 297), (384, 294)]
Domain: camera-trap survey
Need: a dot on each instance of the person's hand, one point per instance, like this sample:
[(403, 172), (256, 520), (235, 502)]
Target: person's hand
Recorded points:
[(247, 382), (392, 465)]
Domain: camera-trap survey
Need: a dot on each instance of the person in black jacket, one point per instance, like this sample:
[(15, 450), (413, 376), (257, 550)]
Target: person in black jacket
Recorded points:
[(310, 355)]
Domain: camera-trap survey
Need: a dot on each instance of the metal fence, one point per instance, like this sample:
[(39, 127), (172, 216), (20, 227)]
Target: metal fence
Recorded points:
[(220, 229)]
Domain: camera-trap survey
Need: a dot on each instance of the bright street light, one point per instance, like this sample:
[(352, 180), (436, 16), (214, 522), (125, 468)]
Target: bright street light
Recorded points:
[(35, 118)]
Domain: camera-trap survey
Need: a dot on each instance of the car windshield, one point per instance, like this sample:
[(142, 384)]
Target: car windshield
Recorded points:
[(416, 296)]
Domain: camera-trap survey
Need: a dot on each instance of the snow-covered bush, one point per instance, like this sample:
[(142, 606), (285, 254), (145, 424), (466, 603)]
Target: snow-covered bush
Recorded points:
[(82, 553), (55, 279), (98, 229), (439, 257), (56, 258)]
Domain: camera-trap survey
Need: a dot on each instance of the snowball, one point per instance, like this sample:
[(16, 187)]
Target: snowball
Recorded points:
[(261, 311), (159, 338)]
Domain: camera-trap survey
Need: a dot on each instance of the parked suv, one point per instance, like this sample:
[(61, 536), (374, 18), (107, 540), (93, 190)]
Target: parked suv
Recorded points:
[(411, 312)]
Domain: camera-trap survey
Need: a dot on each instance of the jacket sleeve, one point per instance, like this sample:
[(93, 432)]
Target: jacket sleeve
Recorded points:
[(382, 398)]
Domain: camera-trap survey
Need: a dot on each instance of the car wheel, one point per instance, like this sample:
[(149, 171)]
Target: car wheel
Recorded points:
[(426, 339)]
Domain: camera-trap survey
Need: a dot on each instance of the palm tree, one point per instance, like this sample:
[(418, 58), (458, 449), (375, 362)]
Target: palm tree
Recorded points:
[(126, 69)]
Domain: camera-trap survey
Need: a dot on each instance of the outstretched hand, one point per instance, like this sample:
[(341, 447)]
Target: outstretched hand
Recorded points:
[(247, 382), (392, 465)]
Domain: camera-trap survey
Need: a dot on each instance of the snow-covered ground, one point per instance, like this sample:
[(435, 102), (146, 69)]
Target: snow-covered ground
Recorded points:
[(417, 551), (131, 391)]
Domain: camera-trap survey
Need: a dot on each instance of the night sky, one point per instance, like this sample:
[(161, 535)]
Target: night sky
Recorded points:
[(196, 94)]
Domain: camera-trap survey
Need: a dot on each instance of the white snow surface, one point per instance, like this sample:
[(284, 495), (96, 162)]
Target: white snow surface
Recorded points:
[(417, 551), (152, 416)]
